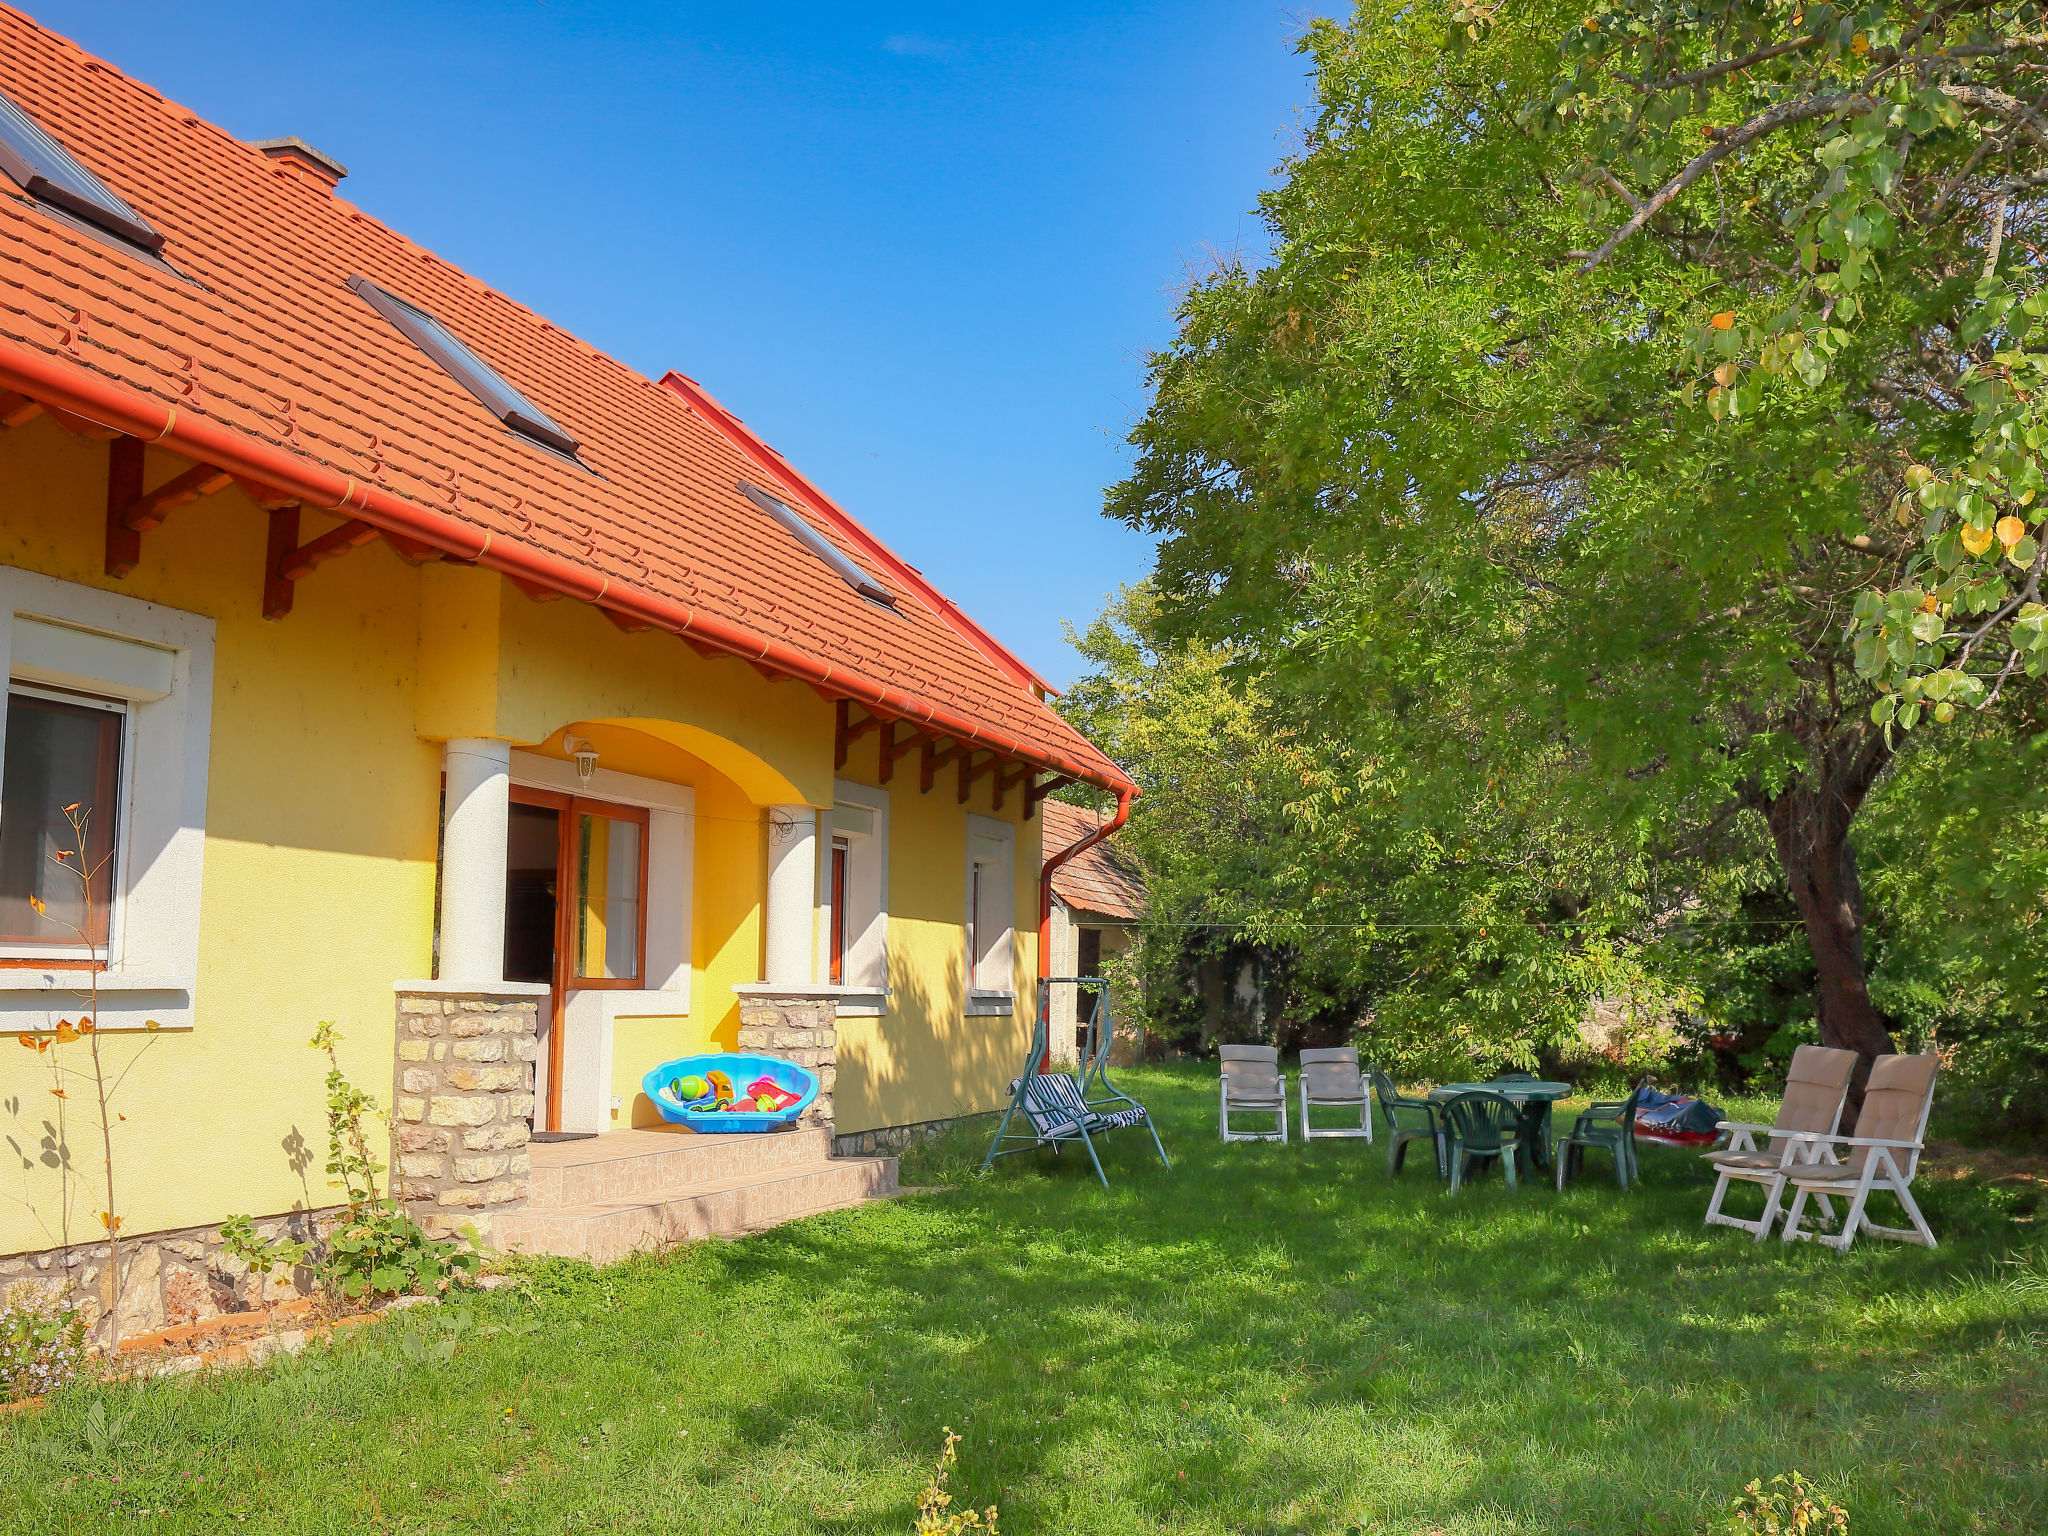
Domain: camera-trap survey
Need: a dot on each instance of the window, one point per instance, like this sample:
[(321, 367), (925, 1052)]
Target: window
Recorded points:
[(108, 706), (853, 884), (467, 368), (991, 915), (47, 172), (62, 777), (817, 544), (609, 881)]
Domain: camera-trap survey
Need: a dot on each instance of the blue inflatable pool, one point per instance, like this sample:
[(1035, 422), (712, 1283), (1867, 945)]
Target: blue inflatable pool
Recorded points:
[(743, 1069)]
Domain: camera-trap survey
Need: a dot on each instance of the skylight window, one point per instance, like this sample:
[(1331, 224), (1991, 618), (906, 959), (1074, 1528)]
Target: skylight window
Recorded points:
[(46, 171), (818, 544), (470, 371)]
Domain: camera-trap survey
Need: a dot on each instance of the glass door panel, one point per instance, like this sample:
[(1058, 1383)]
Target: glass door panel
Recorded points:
[(608, 895)]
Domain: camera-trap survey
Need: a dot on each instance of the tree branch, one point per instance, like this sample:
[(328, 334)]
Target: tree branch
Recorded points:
[(1726, 144)]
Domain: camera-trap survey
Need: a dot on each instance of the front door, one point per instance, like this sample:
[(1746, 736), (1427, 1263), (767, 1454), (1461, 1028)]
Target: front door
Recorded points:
[(575, 919)]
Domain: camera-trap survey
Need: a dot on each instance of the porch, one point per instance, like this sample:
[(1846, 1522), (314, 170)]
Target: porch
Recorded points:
[(637, 1190)]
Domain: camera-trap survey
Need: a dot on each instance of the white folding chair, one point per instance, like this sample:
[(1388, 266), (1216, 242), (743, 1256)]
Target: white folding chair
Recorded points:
[(1884, 1154), (1330, 1077), (1815, 1090), (1253, 1084)]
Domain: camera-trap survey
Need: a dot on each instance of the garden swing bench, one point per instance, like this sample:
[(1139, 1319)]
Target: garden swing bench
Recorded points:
[(1064, 1107)]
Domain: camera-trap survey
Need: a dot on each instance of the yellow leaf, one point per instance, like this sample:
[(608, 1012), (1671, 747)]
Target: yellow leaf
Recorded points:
[(85, 1026), (37, 903), (65, 1033), (1723, 320), (1929, 603), (1859, 44), (151, 1024), (74, 805), (27, 1040), (110, 1221), (1725, 374), (60, 1093), (1976, 540), (2010, 531)]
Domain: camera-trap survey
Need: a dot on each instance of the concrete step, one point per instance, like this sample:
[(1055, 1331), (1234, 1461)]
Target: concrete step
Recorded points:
[(629, 1165), (604, 1230)]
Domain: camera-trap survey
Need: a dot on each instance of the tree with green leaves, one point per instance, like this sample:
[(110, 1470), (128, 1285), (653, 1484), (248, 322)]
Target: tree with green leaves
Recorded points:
[(1461, 922), (1616, 389)]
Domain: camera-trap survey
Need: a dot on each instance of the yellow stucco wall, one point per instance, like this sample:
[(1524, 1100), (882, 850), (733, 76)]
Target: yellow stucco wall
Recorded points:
[(925, 1059), (319, 875), (320, 845)]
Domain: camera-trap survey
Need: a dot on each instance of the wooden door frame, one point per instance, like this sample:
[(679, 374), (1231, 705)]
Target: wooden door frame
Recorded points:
[(567, 808)]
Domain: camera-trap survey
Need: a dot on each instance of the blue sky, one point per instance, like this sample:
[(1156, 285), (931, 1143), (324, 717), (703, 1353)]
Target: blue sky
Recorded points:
[(923, 250)]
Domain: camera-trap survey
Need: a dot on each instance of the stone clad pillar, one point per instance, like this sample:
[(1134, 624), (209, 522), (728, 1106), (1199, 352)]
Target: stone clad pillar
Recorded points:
[(797, 1024), (464, 1100), (475, 827), (792, 894)]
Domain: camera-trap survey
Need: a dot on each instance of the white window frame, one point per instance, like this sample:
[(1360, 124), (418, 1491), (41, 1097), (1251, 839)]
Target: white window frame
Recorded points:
[(152, 952), (865, 991), (981, 997)]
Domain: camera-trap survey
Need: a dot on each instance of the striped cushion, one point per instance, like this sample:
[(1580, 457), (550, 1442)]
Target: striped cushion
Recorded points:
[(1056, 1108)]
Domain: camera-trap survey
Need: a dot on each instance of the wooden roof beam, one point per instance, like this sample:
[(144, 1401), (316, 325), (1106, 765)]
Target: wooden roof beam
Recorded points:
[(1035, 792), (892, 749), (353, 534), (934, 760), (148, 510), (16, 408), (846, 731), (970, 771), (1017, 774)]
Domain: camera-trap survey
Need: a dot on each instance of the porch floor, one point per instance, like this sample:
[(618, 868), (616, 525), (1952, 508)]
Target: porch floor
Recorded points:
[(637, 1190)]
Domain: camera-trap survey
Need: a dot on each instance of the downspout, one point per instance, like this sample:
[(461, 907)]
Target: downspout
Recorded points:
[(122, 408), (1123, 812)]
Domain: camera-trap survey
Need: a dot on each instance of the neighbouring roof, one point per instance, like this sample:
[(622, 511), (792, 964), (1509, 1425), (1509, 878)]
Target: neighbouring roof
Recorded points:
[(262, 335), (1095, 879)]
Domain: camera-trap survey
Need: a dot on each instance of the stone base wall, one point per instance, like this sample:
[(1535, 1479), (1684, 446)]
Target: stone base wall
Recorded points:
[(464, 1081), (887, 1140), (800, 1029), (170, 1278)]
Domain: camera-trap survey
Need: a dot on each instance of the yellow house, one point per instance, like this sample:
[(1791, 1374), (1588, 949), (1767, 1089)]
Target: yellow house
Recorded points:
[(424, 670)]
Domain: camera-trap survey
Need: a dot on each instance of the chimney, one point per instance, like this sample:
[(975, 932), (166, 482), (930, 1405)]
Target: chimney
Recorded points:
[(304, 161)]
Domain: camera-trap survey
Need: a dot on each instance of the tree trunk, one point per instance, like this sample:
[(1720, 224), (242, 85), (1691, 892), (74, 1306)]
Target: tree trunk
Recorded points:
[(1810, 827)]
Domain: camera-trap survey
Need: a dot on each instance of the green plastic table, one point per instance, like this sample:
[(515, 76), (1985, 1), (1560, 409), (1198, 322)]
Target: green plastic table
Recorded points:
[(1532, 1097)]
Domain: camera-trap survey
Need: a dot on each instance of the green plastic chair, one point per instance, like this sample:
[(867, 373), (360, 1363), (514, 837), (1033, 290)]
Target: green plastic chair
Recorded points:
[(1609, 1126), (1482, 1124), (1419, 1124)]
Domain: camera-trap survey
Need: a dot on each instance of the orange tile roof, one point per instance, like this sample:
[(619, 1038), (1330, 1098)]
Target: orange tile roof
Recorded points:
[(1095, 879), (265, 361)]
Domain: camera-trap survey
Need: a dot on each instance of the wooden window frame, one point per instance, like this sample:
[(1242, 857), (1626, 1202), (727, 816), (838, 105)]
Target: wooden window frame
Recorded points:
[(569, 807), (835, 951)]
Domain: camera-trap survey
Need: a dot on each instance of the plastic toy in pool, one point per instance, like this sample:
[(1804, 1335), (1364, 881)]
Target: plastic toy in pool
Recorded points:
[(730, 1092)]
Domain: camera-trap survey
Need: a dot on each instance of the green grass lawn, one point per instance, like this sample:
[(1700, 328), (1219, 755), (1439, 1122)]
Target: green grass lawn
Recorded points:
[(1265, 1340)]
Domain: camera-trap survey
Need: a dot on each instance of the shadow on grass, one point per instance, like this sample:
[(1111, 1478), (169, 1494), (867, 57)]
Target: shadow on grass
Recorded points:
[(1266, 1339)]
